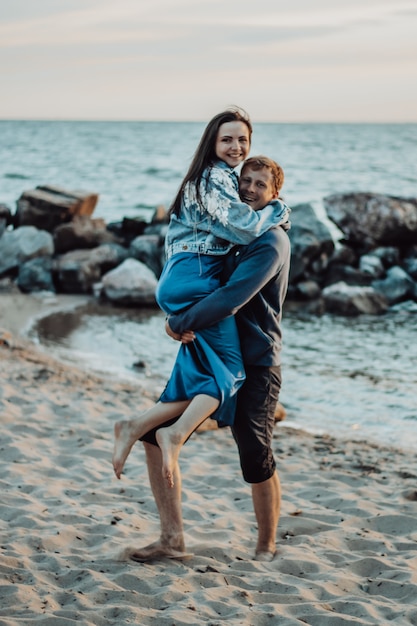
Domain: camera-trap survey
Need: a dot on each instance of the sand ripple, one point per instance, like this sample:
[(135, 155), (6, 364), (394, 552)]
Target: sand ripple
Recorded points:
[(347, 535)]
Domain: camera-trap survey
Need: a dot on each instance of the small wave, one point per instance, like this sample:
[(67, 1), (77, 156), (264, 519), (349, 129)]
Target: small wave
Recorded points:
[(155, 171), (15, 176)]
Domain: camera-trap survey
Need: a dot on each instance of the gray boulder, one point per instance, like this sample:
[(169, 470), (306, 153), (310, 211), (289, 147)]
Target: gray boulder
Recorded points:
[(410, 266), (337, 273), (108, 256), (74, 273), (306, 290), (368, 220), (409, 306), (36, 275), (5, 217), (81, 232), (23, 244), (131, 283), (78, 271), (5, 213), (353, 300), (371, 264), (311, 241), (149, 249), (389, 255), (396, 286)]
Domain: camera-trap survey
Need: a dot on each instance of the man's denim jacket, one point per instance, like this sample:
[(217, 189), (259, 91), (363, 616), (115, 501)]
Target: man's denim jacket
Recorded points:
[(221, 219)]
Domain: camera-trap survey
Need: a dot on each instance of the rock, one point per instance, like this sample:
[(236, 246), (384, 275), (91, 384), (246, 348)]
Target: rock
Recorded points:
[(108, 256), (304, 307), (343, 255), (396, 286), (158, 228), (280, 413), (73, 273), (352, 300), (310, 240), (7, 285), (46, 207), (117, 229), (409, 306), (5, 218), (306, 290), (150, 250), (133, 227), (410, 266), (160, 216), (6, 338), (23, 244), (78, 271), (410, 252), (81, 232), (130, 283), (372, 265), (368, 220), (5, 214), (389, 255), (36, 275), (350, 275)]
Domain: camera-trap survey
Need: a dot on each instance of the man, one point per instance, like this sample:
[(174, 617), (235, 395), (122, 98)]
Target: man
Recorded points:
[(257, 280)]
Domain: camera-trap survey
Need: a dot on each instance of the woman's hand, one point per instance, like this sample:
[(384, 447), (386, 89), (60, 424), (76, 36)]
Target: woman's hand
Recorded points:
[(186, 337)]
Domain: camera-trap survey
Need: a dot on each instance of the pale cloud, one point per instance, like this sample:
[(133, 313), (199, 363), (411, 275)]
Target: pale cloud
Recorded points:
[(159, 59)]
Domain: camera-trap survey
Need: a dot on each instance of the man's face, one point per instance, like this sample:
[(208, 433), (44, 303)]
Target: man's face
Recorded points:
[(256, 188)]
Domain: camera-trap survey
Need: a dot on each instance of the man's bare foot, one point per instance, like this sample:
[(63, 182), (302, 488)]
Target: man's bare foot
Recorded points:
[(265, 556), (124, 438), (170, 445), (158, 550)]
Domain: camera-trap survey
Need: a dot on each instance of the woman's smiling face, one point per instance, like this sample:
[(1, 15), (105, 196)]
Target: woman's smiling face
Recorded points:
[(233, 143)]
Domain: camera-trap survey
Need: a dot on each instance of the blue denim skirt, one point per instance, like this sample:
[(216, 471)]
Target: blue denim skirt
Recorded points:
[(212, 364)]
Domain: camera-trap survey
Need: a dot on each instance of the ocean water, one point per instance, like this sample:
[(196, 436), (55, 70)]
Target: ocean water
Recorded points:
[(353, 378), (135, 166)]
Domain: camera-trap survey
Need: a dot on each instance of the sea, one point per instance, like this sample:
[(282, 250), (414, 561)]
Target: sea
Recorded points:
[(353, 378)]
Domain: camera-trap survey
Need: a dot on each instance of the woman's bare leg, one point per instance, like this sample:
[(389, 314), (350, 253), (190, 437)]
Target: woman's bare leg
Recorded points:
[(171, 438), (127, 432)]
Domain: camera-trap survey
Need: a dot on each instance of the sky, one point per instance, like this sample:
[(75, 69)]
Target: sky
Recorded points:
[(281, 60)]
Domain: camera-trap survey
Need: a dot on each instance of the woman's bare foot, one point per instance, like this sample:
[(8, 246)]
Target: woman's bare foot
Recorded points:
[(124, 438), (158, 550), (170, 444)]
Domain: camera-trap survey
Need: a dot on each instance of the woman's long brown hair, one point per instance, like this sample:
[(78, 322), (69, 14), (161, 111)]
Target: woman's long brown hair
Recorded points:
[(205, 154)]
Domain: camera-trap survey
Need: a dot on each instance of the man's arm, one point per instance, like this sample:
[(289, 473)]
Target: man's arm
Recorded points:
[(260, 261)]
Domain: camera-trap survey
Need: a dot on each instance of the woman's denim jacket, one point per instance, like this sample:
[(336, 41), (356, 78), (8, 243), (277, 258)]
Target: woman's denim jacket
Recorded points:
[(221, 219)]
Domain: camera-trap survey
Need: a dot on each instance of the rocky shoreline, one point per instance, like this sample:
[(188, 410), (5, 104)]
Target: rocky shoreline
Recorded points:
[(52, 243)]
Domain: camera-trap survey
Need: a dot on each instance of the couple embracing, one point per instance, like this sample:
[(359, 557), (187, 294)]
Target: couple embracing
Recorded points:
[(222, 288)]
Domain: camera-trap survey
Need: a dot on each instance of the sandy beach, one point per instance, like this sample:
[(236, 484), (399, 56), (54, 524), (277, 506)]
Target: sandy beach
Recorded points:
[(347, 538)]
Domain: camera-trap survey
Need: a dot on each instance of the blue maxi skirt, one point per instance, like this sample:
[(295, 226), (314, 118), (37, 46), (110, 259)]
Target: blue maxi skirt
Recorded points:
[(212, 364)]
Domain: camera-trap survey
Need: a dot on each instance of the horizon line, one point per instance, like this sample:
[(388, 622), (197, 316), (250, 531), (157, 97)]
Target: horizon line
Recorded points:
[(195, 121)]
